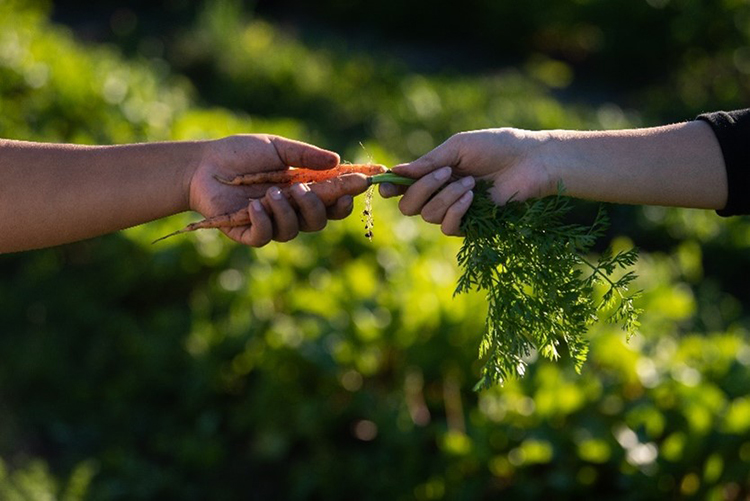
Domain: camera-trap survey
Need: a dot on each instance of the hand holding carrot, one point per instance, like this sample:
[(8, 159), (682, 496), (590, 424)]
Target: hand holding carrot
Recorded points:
[(51, 194), (266, 158)]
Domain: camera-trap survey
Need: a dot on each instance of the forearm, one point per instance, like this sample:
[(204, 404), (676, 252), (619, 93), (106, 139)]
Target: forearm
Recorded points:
[(677, 165), (52, 194)]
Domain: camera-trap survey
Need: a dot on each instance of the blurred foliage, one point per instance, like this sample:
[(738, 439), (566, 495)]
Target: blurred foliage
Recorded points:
[(332, 367)]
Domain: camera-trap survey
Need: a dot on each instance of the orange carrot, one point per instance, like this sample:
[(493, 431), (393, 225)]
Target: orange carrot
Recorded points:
[(294, 175), (328, 190)]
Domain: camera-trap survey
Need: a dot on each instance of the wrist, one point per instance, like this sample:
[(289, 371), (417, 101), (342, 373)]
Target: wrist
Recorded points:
[(572, 160), (551, 156), (198, 153)]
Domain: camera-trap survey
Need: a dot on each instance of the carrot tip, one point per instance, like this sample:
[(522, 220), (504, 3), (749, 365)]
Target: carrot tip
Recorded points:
[(170, 235), (222, 180)]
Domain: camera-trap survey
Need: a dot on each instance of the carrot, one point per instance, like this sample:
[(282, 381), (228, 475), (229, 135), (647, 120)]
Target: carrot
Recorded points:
[(300, 175), (328, 190)]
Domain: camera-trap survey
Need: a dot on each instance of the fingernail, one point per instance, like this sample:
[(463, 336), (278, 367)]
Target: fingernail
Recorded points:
[(466, 197), (467, 182), (257, 206), (275, 193), (442, 174), (301, 188)]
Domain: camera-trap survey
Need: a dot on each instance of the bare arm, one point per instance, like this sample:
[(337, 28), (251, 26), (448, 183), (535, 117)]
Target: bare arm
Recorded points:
[(677, 165), (52, 194)]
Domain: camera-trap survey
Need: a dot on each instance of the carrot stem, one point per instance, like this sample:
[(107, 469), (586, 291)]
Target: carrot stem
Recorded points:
[(393, 178)]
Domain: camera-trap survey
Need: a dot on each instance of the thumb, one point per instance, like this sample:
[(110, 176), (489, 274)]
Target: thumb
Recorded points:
[(298, 154), (444, 155)]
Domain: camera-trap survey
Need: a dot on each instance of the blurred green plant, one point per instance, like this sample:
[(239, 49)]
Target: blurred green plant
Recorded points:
[(331, 367), (34, 482)]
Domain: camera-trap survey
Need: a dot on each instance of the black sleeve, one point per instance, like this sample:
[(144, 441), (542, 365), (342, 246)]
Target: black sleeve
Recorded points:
[(732, 129)]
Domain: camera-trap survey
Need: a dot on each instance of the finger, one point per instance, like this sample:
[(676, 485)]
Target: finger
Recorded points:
[(451, 224), (285, 223), (388, 190), (260, 230), (420, 192), (445, 154), (434, 210), (341, 209), (299, 154), (311, 209)]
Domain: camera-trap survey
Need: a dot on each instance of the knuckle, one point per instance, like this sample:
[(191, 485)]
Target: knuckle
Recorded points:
[(458, 138)]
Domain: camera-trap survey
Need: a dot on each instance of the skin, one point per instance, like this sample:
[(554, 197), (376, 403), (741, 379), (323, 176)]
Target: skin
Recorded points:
[(679, 165), (51, 194)]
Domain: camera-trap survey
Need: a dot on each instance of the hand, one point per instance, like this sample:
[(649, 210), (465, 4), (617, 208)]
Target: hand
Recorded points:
[(243, 154), (510, 158)]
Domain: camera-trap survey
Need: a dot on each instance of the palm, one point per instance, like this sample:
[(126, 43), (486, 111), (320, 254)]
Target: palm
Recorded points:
[(232, 156)]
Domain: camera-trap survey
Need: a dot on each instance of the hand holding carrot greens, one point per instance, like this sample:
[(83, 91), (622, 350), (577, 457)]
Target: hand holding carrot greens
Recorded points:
[(52, 194), (677, 165), (532, 265)]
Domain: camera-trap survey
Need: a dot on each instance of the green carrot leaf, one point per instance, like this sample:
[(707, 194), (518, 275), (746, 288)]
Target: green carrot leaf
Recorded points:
[(540, 287)]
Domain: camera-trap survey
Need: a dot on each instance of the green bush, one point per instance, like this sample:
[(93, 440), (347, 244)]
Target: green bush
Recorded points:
[(332, 367)]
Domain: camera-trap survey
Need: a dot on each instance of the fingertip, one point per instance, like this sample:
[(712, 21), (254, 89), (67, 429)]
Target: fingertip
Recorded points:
[(347, 201), (342, 208), (451, 231), (451, 225), (311, 210), (257, 206), (406, 208), (401, 169), (387, 190), (299, 190), (300, 154), (335, 159), (326, 160), (274, 193), (261, 229), (416, 168)]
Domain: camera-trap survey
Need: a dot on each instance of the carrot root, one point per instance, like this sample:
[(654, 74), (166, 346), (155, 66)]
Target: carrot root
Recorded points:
[(328, 190), (300, 175)]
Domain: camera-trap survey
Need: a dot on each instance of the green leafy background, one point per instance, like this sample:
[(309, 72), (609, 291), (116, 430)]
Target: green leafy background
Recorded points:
[(332, 367)]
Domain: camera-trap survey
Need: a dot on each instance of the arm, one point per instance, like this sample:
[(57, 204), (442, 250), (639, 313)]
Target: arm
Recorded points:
[(676, 165), (55, 193)]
